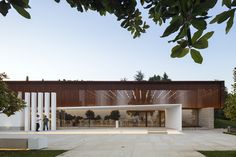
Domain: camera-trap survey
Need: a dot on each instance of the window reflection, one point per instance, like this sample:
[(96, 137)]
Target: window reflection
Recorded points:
[(107, 118)]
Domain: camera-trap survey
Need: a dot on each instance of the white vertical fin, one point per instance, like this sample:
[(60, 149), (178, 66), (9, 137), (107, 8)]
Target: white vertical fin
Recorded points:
[(53, 110), (27, 112)]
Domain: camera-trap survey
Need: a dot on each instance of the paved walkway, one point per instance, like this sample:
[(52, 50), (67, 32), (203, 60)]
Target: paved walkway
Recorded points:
[(135, 145)]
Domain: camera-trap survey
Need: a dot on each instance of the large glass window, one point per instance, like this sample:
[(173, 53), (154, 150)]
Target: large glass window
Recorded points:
[(107, 118)]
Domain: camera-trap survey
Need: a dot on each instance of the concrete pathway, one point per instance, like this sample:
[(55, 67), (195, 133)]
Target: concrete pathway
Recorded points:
[(135, 145)]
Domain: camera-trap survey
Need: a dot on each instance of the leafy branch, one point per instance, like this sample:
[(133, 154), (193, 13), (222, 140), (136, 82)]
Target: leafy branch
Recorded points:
[(187, 18)]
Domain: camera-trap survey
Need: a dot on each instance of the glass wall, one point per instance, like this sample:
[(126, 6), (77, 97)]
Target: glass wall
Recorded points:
[(107, 118)]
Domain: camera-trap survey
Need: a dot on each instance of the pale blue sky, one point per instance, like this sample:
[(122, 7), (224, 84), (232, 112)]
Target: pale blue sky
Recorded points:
[(60, 43)]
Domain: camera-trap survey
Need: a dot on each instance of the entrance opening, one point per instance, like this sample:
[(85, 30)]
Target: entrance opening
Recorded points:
[(148, 115), (106, 118)]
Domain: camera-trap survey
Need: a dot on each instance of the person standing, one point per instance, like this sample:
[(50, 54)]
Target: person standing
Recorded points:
[(37, 122), (45, 122)]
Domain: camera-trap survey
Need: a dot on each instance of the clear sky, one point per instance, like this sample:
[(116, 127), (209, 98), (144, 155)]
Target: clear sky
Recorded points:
[(61, 43)]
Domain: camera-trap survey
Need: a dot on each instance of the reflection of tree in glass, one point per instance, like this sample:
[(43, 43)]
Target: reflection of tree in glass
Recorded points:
[(115, 115), (90, 115), (69, 116), (107, 117), (98, 117)]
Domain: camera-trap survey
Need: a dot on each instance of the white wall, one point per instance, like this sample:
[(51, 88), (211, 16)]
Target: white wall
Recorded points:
[(174, 117), (15, 121)]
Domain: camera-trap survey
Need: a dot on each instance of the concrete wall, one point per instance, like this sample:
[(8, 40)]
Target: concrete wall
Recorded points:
[(206, 117), (190, 117), (14, 122), (174, 117)]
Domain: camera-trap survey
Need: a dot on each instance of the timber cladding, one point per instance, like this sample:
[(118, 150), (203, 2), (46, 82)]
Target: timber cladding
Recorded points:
[(191, 94)]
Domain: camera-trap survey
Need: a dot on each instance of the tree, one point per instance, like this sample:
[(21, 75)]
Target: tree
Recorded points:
[(230, 103), (165, 77), (139, 76), (230, 107), (115, 115), (234, 77), (90, 115), (9, 102), (184, 17), (155, 78), (159, 78)]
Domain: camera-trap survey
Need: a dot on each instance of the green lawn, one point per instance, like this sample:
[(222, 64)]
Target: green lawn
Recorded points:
[(221, 123), (230, 133), (219, 153), (31, 153)]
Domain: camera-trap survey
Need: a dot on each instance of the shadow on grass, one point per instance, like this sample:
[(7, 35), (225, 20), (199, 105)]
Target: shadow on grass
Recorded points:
[(226, 153), (30, 153)]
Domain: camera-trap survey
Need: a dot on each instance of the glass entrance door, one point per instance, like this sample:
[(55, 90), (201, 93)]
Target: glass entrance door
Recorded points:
[(153, 118)]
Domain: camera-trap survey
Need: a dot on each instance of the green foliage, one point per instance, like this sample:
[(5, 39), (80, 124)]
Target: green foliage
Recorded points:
[(183, 18), (9, 102), (139, 76), (165, 77), (230, 107), (196, 56), (19, 5), (230, 103), (234, 78), (155, 78), (115, 115), (223, 123)]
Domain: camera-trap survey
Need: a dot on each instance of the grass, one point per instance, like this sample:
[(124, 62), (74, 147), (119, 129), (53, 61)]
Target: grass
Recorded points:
[(221, 123), (226, 153), (31, 153), (230, 133)]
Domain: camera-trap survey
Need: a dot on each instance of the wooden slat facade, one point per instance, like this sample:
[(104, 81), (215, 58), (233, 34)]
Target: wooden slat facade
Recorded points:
[(192, 94)]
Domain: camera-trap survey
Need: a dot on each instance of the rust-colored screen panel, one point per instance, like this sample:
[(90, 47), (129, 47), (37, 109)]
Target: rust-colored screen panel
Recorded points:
[(191, 94)]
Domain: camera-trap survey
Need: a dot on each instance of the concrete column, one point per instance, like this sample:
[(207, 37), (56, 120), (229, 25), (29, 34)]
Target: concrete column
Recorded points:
[(47, 106), (173, 117), (53, 111), (40, 109), (206, 117), (20, 114), (33, 111), (27, 112)]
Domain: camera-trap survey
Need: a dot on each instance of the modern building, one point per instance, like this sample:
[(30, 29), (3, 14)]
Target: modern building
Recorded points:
[(77, 104)]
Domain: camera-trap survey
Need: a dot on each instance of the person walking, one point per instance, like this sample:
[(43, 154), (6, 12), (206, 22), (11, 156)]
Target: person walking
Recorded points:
[(37, 122), (45, 122)]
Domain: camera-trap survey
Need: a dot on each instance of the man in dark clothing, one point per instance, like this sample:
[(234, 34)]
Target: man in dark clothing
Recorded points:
[(45, 122)]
